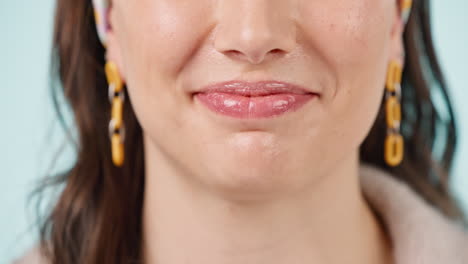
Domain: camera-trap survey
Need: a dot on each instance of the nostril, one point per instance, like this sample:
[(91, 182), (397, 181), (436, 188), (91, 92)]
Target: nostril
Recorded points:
[(253, 57), (235, 53)]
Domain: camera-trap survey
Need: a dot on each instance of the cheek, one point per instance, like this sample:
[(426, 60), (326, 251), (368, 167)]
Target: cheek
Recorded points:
[(348, 33), (155, 44), (155, 38), (352, 38)]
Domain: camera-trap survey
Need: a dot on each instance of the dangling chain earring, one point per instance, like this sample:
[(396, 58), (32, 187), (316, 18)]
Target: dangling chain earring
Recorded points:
[(394, 144), (116, 125)]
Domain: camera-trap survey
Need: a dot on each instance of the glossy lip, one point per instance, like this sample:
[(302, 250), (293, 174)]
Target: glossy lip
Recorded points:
[(253, 100), (260, 88)]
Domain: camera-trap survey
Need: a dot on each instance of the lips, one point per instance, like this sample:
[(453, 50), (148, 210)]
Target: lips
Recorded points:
[(249, 100)]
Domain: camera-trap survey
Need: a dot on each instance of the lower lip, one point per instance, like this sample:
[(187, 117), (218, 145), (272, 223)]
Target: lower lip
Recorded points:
[(245, 107)]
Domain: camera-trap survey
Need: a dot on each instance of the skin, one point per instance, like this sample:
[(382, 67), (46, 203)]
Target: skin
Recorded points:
[(282, 190)]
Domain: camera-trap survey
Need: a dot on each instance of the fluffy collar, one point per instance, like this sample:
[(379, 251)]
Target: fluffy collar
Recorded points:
[(420, 233)]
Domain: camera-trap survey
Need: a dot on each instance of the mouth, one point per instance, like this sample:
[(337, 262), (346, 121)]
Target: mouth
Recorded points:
[(253, 100)]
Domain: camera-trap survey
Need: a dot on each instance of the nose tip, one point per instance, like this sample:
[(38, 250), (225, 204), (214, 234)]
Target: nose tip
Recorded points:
[(256, 35)]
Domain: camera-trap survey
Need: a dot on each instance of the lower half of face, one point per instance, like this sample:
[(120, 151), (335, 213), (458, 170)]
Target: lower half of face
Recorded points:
[(169, 50)]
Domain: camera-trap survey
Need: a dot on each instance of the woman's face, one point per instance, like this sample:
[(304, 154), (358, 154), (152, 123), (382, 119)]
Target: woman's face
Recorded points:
[(168, 49)]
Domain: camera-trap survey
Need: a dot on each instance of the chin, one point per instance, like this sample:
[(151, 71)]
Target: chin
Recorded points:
[(249, 176)]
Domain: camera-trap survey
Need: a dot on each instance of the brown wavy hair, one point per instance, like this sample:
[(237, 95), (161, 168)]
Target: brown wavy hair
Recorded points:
[(96, 217)]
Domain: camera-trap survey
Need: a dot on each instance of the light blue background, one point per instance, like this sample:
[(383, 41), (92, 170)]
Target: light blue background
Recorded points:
[(29, 135)]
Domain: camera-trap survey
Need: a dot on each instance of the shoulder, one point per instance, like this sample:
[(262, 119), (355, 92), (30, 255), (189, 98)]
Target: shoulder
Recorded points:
[(32, 256), (420, 233)]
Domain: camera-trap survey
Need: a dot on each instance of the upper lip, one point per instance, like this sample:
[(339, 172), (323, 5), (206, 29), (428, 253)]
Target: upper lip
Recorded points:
[(260, 88)]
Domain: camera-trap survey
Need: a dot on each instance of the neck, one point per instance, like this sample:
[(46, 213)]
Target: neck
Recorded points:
[(328, 223)]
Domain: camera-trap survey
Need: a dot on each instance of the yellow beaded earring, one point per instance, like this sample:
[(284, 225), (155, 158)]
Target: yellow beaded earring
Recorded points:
[(116, 125), (394, 144)]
